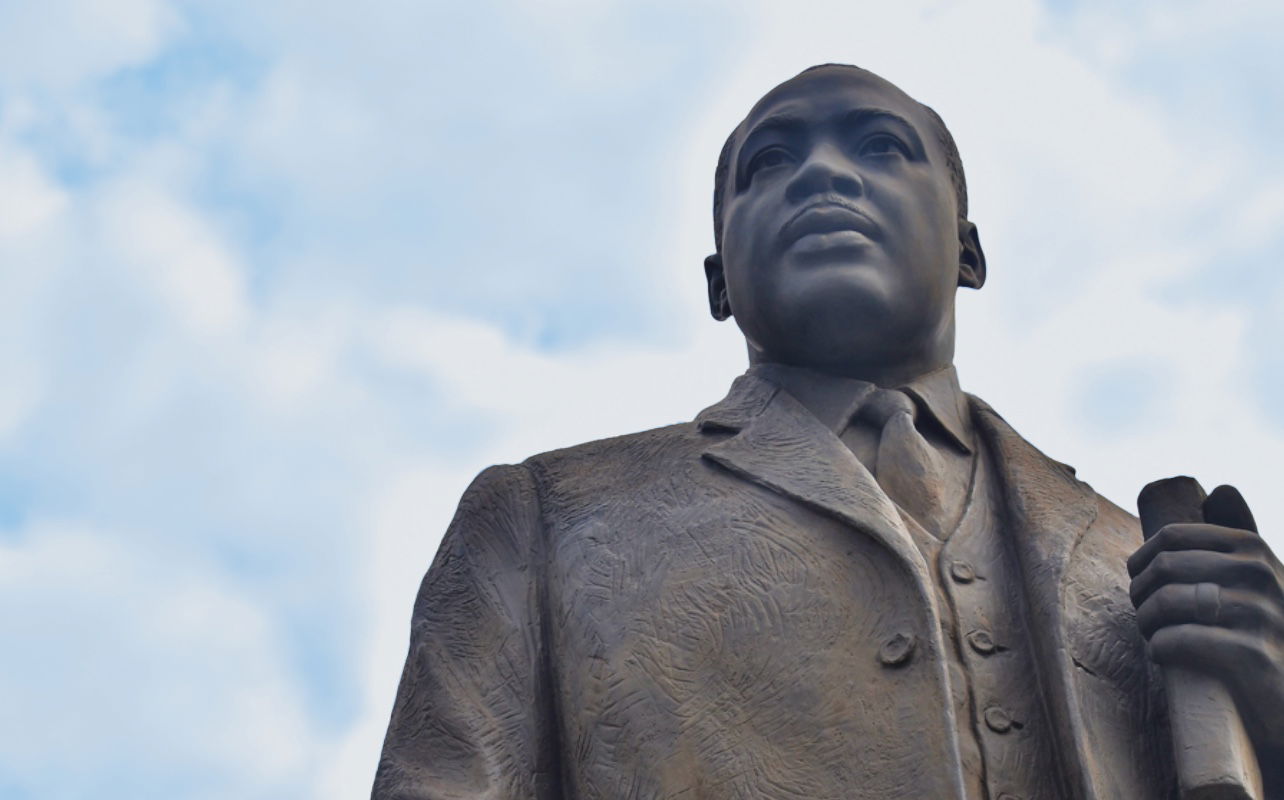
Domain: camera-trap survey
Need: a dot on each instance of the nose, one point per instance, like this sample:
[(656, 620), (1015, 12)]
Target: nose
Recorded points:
[(827, 170)]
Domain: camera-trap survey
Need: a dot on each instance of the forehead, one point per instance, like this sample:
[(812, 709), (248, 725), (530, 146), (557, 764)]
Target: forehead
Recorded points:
[(818, 96)]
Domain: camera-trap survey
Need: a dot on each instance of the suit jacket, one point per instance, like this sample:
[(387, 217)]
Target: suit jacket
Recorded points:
[(698, 611)]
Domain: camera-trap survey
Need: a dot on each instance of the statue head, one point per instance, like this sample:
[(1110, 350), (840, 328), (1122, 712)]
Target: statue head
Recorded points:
[(840, 221)]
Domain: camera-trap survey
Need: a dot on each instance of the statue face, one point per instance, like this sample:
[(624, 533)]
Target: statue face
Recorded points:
[(841, 237)]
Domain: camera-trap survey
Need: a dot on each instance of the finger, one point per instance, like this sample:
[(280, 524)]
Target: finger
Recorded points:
[(1209, 604), (1229, 570), (1186, 536), (1226, 506), (1220, 652)]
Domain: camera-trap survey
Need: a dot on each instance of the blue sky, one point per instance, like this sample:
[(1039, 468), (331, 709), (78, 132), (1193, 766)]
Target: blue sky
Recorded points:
[(277, 280)]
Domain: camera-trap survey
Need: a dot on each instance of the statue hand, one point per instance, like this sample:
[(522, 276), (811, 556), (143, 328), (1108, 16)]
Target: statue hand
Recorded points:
[(1210, 597)]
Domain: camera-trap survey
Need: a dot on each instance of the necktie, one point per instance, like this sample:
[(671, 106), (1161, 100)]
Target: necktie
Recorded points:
[(907, 466)]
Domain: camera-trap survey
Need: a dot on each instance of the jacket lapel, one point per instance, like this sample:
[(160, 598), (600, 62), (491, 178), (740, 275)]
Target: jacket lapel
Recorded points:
[(781, 445), (1049, 511)]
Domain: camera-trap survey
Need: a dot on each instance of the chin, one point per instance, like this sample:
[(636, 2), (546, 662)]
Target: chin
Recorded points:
[(843, 274), (840, 295), (836, 325)]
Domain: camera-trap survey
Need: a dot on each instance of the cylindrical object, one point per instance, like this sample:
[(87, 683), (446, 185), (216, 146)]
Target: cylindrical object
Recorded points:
[(1213, 753), (1214, 756)]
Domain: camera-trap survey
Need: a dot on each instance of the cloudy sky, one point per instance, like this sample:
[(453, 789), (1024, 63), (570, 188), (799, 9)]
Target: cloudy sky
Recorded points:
[(277, 279)]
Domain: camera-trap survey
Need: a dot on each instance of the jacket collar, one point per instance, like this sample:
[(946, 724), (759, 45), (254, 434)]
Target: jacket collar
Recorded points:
[(835, 399), (781, 445)]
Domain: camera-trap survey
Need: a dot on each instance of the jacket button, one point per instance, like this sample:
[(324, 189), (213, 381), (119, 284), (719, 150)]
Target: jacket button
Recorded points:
[(897, 650), (962, 572), (981, 642), (998, 720)]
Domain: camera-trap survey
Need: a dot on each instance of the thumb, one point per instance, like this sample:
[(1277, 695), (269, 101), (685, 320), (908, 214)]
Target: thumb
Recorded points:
[(1225, 506)]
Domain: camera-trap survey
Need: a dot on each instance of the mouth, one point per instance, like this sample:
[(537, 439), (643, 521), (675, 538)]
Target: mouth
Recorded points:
[(830, 222)]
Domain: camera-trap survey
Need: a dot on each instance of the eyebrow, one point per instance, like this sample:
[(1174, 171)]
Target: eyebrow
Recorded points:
[(786, 122), (862, 116), (775, 122)]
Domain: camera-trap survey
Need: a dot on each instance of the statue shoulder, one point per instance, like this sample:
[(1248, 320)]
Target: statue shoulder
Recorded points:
[(1123, 525), (618, 462)]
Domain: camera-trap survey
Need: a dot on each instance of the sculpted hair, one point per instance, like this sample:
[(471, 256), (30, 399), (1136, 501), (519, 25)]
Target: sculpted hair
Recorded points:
[(953, 161)]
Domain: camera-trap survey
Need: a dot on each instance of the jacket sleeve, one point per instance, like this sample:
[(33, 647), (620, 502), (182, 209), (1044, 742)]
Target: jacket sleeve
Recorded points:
[(473, 713)]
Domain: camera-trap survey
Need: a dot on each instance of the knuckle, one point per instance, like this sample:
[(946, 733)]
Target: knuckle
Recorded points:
[(1249, 543), (1149, 625), (1271, 605), (1167, 641), (1135, 562), (1273, 615), (1166, 536), (1137, 591), (1274, 589), (1239, 605), (1241, 611), (1163, 600), (1260, 572), (1254, 654), (1163, 566)]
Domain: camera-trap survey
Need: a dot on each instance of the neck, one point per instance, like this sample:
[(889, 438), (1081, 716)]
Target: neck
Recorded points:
[(888, 374), (888, 355)]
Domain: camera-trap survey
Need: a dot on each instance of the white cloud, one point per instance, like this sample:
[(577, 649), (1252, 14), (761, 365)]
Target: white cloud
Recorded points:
[(544, 401), (174, 253), (27, 197), (30, 206), (128, 661), (59, 43)]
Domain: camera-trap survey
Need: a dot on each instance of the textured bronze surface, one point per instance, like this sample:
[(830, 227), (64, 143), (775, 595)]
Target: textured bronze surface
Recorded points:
[(736, 606)]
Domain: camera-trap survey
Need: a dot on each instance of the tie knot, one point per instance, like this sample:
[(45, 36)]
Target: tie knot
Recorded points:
[(883, 404)]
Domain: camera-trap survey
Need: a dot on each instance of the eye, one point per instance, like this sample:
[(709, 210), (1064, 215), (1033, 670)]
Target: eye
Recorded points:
[(768, 158), (882, 144)]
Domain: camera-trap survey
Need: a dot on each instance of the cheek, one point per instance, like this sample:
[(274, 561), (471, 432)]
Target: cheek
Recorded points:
[(752, 213), (927, 232), (746, 247), (753, 291)]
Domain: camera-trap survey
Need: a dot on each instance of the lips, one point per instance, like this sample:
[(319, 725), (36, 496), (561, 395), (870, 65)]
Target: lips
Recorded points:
[(828, 217)]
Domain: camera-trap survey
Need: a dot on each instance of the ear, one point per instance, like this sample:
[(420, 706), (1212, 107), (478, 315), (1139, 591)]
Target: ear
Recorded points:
[(719, 305), (971, 256)]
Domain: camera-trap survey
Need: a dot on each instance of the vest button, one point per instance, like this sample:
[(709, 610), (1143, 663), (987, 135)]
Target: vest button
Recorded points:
[(897, 650), (962, 572), (981, 642), (998, 720)]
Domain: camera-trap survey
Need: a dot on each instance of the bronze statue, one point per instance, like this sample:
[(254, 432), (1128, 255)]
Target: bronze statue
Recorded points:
[(847, 579)]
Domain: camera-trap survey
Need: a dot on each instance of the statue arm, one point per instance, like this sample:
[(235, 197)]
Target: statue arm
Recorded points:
[(472, 716)]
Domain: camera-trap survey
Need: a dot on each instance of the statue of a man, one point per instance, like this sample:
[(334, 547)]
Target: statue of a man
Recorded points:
[(847, 579)]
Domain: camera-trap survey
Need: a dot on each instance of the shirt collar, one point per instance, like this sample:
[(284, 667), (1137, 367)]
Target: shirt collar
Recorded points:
[(834, 399)]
